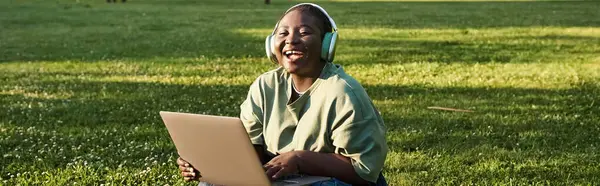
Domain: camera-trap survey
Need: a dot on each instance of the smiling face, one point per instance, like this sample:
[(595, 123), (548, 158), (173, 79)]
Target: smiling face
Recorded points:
[(298, 43)]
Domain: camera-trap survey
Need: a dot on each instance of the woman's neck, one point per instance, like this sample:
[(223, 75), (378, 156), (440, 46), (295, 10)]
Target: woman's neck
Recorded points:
[(303, 82)]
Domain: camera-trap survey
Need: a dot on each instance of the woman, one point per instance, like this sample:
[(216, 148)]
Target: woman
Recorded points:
[(308, 116)]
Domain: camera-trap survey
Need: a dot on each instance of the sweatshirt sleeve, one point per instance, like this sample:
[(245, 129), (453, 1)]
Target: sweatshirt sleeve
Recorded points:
[(251, 112), (359, 134)]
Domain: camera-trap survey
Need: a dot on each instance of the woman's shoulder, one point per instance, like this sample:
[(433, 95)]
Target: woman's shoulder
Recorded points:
[(267, 81), (348, 93), (340, 83), (271, 77)]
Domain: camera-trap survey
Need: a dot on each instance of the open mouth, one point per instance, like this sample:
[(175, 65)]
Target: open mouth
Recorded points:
[(293, 54)]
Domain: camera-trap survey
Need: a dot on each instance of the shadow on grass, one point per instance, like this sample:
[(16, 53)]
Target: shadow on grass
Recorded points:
[(94, 104), (115, 122), (552, 121), (531, 134), (532, 49), (143, 30), (104, 125)]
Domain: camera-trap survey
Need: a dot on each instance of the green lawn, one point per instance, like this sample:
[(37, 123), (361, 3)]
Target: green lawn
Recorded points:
[(82, 82)]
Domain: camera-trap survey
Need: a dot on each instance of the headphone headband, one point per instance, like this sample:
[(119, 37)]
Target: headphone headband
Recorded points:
[(333, 26)]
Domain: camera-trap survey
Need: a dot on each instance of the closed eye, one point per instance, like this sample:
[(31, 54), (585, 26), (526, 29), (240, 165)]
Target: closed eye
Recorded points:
[(305, 33)]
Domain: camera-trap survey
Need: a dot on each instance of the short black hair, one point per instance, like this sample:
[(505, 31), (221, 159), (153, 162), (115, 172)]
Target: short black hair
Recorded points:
[(317, 13)]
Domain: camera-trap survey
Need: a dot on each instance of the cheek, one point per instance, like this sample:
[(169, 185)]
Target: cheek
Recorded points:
[(278, 45), (315, 46)]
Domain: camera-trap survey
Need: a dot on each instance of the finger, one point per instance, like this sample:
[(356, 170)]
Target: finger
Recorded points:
[(187, 178), (267, 166), (186, 169), (182, 162), (271, 171), (275, 159), (188, 174), (282, 172), (183, 169)]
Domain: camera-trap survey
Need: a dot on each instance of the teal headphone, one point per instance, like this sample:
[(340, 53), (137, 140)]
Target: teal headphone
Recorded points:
[(329, 40)]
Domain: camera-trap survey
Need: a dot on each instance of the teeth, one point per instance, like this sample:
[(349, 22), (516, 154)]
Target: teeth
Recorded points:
[(291, 52)]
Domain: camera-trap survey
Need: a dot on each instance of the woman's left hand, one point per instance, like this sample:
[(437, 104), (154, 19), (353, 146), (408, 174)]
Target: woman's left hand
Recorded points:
[(283, 165)]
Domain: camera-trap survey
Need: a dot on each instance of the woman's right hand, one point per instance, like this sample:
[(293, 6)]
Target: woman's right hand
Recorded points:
[(188, 172)]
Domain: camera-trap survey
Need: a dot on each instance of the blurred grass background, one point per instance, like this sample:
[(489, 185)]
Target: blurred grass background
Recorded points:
[(81, 84)]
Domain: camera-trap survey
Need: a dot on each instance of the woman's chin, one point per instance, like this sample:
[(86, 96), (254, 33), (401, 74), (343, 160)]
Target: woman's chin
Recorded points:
[(297, 66), (291, 67)]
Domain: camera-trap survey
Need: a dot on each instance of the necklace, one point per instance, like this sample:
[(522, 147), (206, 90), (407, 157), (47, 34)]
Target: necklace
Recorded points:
[(296, 90)]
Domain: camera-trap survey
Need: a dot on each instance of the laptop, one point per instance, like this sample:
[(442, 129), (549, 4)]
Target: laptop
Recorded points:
[(220, 149)]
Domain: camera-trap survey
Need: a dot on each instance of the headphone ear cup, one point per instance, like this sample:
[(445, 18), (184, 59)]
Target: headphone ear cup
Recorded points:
[(269, 48), (329, 45), (332, 46), (325, 46)]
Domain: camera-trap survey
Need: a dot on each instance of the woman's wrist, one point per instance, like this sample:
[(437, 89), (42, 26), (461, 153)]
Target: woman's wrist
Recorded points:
[(300, 159)]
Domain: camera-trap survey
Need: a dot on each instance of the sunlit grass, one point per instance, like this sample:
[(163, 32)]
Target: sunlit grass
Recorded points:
[(81, 84), (438, 0)]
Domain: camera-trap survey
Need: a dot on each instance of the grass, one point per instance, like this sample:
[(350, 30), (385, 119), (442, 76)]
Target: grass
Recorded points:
[(82, 83)]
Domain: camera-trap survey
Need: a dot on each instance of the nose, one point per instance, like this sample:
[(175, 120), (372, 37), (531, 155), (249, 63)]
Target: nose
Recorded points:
[(292, 38)]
